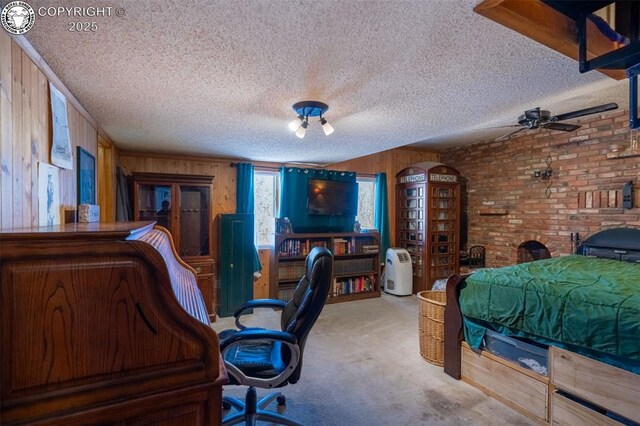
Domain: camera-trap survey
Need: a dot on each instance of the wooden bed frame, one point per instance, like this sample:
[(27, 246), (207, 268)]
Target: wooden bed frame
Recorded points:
[(549, 399)]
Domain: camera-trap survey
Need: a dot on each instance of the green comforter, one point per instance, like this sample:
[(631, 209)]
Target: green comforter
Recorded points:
[(580, 301)]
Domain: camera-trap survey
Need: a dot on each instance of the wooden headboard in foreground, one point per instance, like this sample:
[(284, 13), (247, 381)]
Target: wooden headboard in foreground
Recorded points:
[(617, 243)]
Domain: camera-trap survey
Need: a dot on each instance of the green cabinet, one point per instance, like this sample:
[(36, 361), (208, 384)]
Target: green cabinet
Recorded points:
[(235, 254)]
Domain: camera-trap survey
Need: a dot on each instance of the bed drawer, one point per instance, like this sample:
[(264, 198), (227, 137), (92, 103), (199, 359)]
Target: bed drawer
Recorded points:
[(517, 387), (609, 387), (570, 413)]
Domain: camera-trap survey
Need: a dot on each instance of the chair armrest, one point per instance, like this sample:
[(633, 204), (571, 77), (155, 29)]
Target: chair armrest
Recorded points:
[(257, 303), (260, 303), (259, 334)]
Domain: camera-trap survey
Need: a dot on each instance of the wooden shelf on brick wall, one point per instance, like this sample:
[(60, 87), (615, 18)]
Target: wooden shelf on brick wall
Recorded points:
[(621, 155), (600, 199), (493, 212)]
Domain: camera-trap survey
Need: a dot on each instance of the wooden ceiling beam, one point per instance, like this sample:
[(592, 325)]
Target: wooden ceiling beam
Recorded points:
[(547, 26)]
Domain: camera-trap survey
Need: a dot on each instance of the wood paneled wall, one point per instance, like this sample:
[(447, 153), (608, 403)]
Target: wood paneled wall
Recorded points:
[(389, 162), (25, 137), (224, 183)]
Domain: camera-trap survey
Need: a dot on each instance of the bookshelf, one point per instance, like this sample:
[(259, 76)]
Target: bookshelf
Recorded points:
[(428, 221), (356, 264)]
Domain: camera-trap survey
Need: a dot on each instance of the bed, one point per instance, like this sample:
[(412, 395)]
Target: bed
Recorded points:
[(584, 308)]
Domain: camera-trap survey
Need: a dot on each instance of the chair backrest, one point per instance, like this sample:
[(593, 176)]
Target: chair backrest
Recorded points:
[(309, 297)]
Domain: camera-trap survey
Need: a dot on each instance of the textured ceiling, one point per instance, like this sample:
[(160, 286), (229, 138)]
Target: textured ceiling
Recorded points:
[(219, 77)]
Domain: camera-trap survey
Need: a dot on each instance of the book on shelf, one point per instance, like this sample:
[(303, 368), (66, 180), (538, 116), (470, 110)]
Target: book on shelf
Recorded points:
[(297, 247), (285, 291), (290, 270), (354, 266), (352, 285), (343, 246), (370, 248)]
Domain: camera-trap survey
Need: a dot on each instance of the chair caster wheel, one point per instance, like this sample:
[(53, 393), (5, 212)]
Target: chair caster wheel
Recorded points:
[(282, 400), (226, 406)]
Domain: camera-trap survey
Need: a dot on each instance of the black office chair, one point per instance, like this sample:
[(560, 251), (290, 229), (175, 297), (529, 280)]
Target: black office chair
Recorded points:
[(257, 357)]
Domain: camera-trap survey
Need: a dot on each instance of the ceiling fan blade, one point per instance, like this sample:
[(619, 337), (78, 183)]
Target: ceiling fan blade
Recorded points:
[(586, 111), (502, 127), (532, 114), (561, 126), (508, 135)]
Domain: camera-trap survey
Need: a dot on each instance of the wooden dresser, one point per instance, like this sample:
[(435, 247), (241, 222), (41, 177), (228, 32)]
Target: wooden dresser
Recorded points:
[(104, 324)]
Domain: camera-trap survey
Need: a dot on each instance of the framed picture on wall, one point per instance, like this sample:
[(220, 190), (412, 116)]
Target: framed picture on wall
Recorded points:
[(61, 152), (48, 195), (86, 177)]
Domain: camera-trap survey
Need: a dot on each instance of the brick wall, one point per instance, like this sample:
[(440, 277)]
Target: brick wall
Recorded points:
[(507, 207)]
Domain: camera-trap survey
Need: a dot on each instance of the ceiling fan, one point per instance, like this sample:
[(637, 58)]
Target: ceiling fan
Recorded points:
[(536, 118)]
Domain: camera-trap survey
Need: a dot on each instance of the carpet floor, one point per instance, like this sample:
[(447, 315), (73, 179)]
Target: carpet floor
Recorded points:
[(362, 366)]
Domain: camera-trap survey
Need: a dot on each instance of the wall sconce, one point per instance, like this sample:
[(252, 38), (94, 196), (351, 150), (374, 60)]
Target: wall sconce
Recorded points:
[(545, 176)]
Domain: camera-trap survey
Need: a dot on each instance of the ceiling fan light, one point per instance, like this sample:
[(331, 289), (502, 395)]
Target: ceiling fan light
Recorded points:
[(295, 124), (302, 130), (328, 128)]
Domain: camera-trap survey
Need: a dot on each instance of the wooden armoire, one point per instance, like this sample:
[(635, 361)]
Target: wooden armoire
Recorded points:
[(182, 204), (428, 221)]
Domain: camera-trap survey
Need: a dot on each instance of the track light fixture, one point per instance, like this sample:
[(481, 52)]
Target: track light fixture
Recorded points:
[(302, 129), (306, 109), (328, 128), (295, 124)]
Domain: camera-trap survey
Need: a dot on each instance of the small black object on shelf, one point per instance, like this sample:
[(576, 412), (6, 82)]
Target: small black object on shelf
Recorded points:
[(627, 195)]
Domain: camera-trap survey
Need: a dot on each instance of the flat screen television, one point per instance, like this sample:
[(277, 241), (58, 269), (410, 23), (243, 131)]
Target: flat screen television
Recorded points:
[(327, 197)]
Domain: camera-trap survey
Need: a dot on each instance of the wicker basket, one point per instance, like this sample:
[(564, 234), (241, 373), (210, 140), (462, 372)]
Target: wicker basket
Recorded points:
[(431, 325)]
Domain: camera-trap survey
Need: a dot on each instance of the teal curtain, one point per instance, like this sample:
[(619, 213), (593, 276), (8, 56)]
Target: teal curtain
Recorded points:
[(293, 200), (245, 201), (381, 213)]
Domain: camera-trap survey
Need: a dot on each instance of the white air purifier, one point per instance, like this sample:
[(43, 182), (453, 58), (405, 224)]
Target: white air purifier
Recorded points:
[(398, 274)]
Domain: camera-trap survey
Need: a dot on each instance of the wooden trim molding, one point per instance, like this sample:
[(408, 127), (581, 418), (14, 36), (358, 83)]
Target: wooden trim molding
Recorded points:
[(547, 26)]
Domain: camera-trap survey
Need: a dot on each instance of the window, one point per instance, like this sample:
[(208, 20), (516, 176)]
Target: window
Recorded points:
[(266, 194), (266, 186), (366, 201)]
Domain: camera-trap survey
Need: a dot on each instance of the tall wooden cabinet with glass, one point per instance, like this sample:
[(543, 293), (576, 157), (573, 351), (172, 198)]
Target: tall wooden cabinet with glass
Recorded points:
[(182, 204), (428, 221)]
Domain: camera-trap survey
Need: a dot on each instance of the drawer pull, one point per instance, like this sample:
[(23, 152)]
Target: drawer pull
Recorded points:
[(198, 269)]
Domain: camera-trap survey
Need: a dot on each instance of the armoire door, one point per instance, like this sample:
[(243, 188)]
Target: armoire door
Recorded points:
[(236, 261)]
